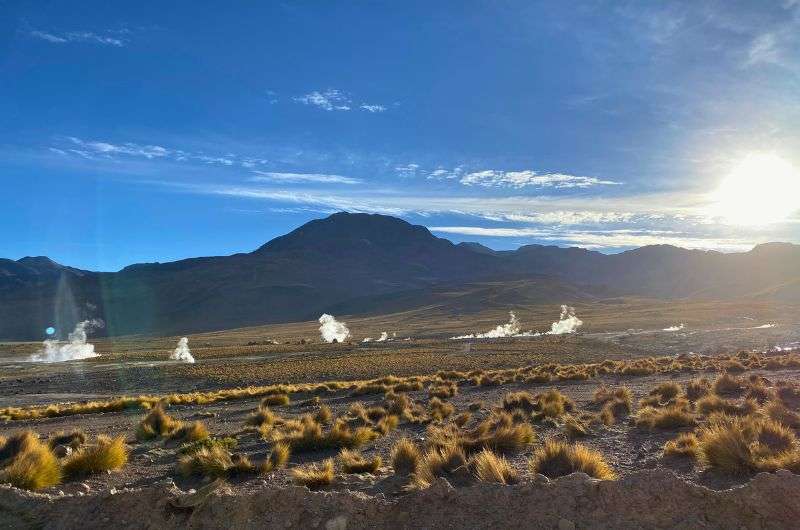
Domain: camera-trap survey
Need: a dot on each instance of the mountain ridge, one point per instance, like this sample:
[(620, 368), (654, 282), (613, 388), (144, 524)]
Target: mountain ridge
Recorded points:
[(358, 263)]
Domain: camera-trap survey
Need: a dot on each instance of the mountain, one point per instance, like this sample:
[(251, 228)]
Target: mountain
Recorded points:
[(368, 264)]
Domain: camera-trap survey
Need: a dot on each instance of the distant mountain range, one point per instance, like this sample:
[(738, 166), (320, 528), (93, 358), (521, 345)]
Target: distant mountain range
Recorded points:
[(367, 264)]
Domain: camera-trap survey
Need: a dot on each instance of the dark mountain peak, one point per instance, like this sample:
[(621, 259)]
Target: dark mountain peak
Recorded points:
[(776, 249), (353, 230), (39, 262), (477, 247)]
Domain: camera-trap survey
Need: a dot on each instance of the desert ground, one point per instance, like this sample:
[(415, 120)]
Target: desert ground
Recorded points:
[(476, 411)]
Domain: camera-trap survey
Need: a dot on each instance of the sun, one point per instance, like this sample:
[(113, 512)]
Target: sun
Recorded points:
[(762, 189)]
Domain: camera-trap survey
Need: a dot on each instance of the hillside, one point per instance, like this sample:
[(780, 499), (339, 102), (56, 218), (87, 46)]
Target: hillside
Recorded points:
[(369, 264)]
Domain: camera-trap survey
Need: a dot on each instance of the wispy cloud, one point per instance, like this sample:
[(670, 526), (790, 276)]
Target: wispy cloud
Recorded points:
[(108, 38), (333, 99), (271, 176), (520, 179)]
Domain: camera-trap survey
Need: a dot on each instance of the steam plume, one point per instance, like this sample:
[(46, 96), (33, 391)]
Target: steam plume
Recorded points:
[(674, 328), (332, 330), (567, 322), (383, 338), (509, 329), (76, 348), (182, 352)]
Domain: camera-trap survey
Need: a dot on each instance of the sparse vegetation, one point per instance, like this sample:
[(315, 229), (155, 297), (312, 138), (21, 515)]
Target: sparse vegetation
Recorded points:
[(490, 467), (686, 444), (27, 463), (405, 457), (315, 476), (556, 459), (354, 462), (106, 454)]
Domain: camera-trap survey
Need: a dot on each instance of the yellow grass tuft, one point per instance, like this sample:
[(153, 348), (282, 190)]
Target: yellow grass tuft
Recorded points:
[(156, 424), (211, 462), (739, 445), (354, 462), (444, 461), (667, 418), (686, 444), (73, 439), (405, 457), (278, 458), (190, 432), (275, 400), (106, 454), (490, 467), (314, 476), (557, 459), (727, 384), (32, 469)]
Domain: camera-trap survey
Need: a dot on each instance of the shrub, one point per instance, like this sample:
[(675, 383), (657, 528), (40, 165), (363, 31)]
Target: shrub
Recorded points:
[(18, 443), (686, 444), (227, 443), (156, 424), (490, 467), (262, 416), (666, 391), (34, 468), (278, 457), (672, 417), (575, 428), (106, 454), (405, 457), (72, 439), (190, 432), (605, 394), (354, 462), (440, 409), (727, 384), (714, 404), (697, 388), (314, 476), (520, 400), (739, 445), (324, 414), (212, 462), (275, 400), (778, 412), (448, 461), (556, 459)]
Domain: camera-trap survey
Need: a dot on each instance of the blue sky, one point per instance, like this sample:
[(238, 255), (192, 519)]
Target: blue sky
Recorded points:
[(155, 131)]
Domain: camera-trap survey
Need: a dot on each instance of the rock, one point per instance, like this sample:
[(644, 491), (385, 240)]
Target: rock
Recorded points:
[(62, 450), (84, 487)]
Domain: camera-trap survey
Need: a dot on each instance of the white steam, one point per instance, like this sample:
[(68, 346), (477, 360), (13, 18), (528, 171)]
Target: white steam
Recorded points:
[(383, 338), (332, 330), (567, 322), (182, 352), (76, 348), (675, 328)]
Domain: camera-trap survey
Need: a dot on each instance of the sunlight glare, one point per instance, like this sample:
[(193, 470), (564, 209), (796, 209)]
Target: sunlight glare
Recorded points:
[(762, 189)]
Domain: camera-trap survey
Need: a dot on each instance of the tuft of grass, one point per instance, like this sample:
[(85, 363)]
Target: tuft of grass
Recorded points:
[(475, 406), (387, 424), (227, 443), (557, 458), (667, 418), (324, 415), (443, 390), (405, 457), (278, 458), (604, 394), (191, 432), (440, 409), (697, 388), (741, 445), (73, 439), (275, 400), (490, 467), (33, 468), (776, 411), (686, 444), (553, 404), (727, 384), (17, 444), (444, 461), (308, 435), (520, 401), (106, 454), (714, 404), (354, 462), (314, 476), (156, 424), (666, 391), (211, 462), (261, 417), (575, 428)]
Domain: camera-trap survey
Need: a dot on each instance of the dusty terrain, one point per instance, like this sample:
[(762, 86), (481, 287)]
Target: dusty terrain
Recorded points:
[(150, 480)]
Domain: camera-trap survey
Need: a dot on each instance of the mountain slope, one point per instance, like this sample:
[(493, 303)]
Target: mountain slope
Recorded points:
[(359, 263)]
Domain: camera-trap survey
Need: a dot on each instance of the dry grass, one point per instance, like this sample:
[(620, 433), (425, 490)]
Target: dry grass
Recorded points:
[(156, 424), (314, 476), (308, 435), (667, 418), (227, 443), (449, 461), (666, 391), (263, 416), (556, 459), (211, 462), (712, 404), (490, 467), (686, 444), (440, 409), (275, 400), (354, 462), (27, 463), (552, 404), (727, 384), (189, 432), (520, 400), (278, 458), (740, 445), (777, 411), (697, 388), (73, 439), (106, 454), (405, 457)]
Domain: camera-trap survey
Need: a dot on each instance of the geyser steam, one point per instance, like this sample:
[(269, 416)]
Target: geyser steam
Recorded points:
[(76, 348), (332, 330), (509, 329), (674, 328), (567, 322), (182, 352)]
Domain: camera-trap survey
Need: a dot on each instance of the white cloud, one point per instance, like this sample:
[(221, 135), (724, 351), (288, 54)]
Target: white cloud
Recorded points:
[(329, 100), (491, 178), (372, 108), (407, 170), (109, 38), (763, 50), (271, 176)]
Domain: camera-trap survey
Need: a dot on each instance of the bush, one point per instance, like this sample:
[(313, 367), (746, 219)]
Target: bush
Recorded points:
[(714, 404), (441, 462), (156, 424), (354, 462), (314, 476), (18, 443), (489, 467), (72, 439), (727, 384), (557, 459), (32, 469), (405, 457), (212, 462), (673, 417), (275, 400), (191, 432), (740, 445), (686, 444), (106, 454), (278, 458), (227, 443), (697, 388), (666, 391)]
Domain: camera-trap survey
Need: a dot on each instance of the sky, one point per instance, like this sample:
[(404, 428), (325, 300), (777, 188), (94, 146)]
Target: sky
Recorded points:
[(156, 131)]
